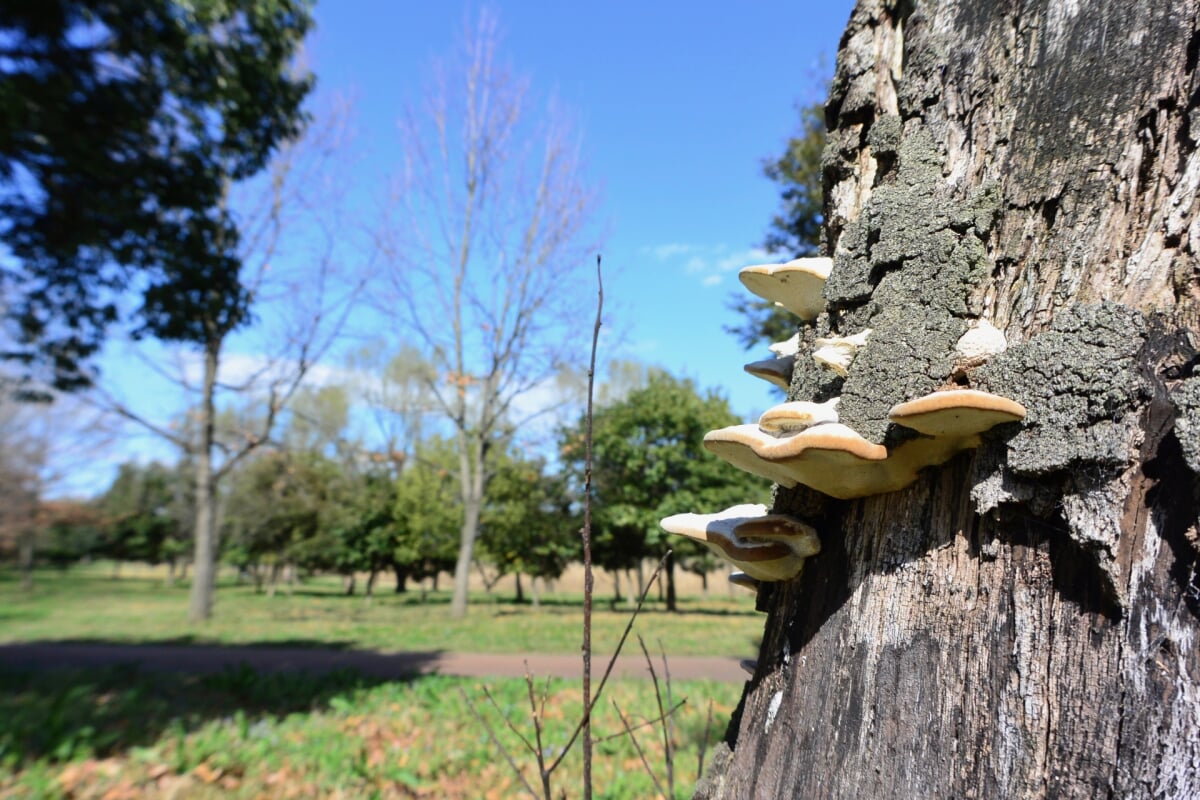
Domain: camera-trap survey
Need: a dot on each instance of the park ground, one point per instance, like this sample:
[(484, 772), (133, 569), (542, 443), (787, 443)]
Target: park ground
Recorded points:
[(345, 715)]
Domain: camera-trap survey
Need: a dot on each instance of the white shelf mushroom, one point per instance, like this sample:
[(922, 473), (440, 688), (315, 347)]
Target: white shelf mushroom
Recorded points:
[(767, 547), (838, 352), (796, 285), (789, 418)]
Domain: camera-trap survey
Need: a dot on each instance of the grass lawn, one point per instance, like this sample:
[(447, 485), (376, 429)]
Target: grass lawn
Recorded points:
[(87, 604), (119, 733)]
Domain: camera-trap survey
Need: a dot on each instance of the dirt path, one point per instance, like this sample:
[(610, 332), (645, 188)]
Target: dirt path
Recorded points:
[(215, 658)]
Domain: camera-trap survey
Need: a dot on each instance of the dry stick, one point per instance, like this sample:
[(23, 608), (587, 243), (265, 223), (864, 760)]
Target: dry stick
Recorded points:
[(668, 725), (661, 713), (612, 662), (496, 741), (588, 579), (536, 713), (641, 753), (644, 723), (508, 722), (704, 743)]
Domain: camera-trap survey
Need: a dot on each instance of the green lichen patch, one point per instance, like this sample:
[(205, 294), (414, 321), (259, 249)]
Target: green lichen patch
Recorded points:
[(1186, 399), (1081, 385), (906, 268)]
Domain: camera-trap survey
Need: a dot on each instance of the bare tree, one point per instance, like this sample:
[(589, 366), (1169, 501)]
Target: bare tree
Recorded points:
[(1021, 621), (289, 249), (485, 246), (44, 447)]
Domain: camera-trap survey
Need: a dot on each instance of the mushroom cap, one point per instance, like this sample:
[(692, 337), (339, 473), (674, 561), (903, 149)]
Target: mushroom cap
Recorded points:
[(796, 285), (981, 341), (838, 352), (739, 578), (797, 415), (831, 458), (956, 413), (776, 370), (768, 547), (789, 347)]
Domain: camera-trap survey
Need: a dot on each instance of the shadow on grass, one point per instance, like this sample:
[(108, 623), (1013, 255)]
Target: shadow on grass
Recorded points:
[(61, 700)]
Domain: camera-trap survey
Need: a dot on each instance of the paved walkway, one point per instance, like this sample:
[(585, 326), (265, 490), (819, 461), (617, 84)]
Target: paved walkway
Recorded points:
[(215, 658)]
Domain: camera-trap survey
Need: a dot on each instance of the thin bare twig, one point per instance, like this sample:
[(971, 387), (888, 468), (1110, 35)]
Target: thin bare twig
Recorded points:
[(508, 722), (496, 741), (612, 662), (704, 743), (537, 715), (668, 722), (644, 723), (638, 747), (588, 577)]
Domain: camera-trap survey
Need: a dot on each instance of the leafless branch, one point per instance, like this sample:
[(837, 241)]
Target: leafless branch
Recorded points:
[(589, 580), (646, 723), (491, 732), (641, 753), (612, 662)]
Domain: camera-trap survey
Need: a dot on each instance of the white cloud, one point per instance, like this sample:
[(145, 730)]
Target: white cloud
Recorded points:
[(710, 264), (666, 252)]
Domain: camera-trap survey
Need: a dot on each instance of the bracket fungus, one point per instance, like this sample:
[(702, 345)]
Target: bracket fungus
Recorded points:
[(776, 370), (837, 352), (739, 578), (796, 285), (981, 341), (789, 347), (830, 458), (956, 413), (767, 547), (835, 460), (793, 417)]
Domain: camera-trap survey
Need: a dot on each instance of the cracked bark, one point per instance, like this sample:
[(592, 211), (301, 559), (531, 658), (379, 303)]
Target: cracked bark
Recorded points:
[(1021, 622)]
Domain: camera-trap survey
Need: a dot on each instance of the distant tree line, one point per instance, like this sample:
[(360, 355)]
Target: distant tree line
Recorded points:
[(317, 501)]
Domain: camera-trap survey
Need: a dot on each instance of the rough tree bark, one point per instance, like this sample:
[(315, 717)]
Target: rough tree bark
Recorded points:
[(1021, 622)]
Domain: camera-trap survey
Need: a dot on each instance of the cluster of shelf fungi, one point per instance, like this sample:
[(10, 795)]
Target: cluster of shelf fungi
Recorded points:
[(803, 442)]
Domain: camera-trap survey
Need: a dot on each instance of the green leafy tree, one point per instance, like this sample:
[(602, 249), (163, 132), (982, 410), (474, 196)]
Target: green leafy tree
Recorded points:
[(795, 230), (528, 526), (70, 531), (123, 124), (133, 223), (138, 514), (649, 462), (365, 525), (278, 513), (428, 513)]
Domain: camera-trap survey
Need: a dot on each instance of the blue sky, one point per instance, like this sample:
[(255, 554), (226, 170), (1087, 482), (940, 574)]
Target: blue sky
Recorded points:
[(677, 104)]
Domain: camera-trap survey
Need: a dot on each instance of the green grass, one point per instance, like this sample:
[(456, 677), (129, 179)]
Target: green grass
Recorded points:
[(122, 733), (86, 604)]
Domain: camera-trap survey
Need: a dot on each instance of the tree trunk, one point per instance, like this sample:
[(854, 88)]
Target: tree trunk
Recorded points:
[(25, 557), (204, 572), (401, 578), (471, 466), (520, 591), (671, 596), (1022, 621), (616, 573), (371, 582), (348, 582)]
